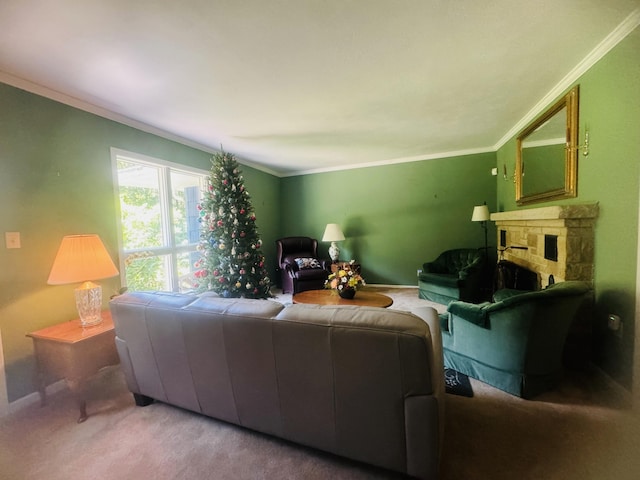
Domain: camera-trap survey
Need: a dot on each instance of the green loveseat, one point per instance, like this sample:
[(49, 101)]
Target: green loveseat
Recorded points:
[(455, 275), (515, 343)]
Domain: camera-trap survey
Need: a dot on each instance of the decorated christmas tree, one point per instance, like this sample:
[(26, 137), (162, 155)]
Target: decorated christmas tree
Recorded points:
[(231, 263)]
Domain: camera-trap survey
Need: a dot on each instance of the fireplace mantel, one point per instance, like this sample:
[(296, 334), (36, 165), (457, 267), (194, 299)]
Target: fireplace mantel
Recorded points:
[(555, 212), (556, 240)]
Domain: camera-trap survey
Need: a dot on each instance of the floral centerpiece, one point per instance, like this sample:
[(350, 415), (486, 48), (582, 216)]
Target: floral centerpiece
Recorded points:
[(345, 281)]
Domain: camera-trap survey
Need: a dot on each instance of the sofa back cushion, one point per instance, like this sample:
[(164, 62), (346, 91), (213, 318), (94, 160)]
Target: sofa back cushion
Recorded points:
[(453, 261), (334, 378)]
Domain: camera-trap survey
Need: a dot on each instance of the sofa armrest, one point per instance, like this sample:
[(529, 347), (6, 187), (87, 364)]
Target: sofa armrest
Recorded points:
[(473, 267), (471, 312), (290, 267), (505, 293), (431, 318)]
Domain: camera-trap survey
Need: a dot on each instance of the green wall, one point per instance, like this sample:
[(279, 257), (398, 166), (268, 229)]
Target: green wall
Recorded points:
[(55, 180), (610, 107), (394, 217)]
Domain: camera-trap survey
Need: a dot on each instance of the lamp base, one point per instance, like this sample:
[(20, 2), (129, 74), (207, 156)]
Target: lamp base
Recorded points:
[(89, 303), (334, 252)]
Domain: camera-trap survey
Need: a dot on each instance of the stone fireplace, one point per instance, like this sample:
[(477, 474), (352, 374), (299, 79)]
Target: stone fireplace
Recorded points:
[(557, 240)]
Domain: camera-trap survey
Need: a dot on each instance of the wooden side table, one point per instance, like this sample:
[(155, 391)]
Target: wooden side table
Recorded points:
[(69, 351)]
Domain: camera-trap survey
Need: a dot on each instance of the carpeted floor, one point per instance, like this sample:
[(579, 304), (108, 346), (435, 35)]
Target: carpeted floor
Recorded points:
[(577, 432)]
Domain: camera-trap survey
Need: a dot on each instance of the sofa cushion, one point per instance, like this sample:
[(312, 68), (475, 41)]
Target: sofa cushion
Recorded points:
[(445, 280)]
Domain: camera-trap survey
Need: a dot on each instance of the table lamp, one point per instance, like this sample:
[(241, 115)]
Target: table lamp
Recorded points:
[(333, 233), (82, 258), (481, 214)]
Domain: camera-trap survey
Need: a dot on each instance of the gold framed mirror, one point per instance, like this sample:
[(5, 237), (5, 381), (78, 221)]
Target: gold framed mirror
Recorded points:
[(547, 154)]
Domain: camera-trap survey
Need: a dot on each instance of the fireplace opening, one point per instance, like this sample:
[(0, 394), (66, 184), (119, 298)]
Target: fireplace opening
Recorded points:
[(551, 247)]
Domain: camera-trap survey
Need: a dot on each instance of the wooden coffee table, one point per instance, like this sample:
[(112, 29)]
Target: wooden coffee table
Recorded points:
[(363, 298)]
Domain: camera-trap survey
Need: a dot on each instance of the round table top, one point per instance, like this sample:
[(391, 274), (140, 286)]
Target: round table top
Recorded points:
[(363, 298)]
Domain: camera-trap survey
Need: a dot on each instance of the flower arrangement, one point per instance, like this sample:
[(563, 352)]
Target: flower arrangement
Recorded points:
[(344, 279)]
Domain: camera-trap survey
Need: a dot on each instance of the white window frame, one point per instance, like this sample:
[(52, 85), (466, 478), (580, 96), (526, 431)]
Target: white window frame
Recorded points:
[(169, 249)]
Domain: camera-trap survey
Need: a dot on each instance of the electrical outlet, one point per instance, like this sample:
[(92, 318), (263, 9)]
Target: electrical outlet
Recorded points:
[(419, 272), (614, 323)]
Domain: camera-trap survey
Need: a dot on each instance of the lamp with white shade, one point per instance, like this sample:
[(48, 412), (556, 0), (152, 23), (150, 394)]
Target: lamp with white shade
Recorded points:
[(333, 233), (82, 258), (481, 214)]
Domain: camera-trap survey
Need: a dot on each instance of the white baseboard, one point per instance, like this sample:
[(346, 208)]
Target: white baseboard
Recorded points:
[(4, 398), (34, 397)]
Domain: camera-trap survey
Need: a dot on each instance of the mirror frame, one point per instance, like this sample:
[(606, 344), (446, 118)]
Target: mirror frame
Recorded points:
[(570, 189)]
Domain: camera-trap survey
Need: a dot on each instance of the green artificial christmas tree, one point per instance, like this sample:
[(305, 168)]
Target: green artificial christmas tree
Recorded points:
[(232, 263)]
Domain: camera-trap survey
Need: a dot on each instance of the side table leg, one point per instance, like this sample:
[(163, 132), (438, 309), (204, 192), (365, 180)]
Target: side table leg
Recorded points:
[(77, 389), (42, 388), (40, 379)]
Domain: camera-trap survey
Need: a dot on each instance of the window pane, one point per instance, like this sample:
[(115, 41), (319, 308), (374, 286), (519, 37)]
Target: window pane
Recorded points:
[(144, 271), (185, 196), (139, 187)]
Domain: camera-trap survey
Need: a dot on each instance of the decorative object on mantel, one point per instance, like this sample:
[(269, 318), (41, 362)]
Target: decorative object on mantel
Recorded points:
[(333, 233), (481, 214), (346, 282), (82, 258)]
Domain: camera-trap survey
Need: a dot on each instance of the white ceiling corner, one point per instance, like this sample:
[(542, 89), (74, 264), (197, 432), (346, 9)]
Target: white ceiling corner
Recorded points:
[(303, 87)]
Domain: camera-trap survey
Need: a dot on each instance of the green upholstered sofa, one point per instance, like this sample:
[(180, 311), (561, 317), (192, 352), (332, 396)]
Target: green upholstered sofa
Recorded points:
[(455, 275), (515, 343)]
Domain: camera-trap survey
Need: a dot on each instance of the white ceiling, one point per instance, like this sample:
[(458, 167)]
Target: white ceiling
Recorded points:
[(296, 86)]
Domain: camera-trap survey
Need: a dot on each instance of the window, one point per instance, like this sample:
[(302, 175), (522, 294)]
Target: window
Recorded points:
[(158, 221)]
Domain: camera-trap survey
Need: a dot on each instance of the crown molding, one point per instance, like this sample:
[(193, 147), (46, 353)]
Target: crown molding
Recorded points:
[(416, 158), (610, 41), (65, 99), (627, 26)]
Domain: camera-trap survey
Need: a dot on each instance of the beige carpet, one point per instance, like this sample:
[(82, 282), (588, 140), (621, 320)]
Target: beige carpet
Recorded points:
[(577, 432)]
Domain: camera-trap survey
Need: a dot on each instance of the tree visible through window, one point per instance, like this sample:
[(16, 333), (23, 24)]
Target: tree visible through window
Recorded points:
[(158, 222)]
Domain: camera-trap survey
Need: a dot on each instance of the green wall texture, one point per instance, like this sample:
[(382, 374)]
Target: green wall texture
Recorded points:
[(610, 107), (394, 217), (55, 180)]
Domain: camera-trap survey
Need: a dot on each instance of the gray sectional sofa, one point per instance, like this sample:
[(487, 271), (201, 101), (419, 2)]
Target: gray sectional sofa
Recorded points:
[(363, 383)]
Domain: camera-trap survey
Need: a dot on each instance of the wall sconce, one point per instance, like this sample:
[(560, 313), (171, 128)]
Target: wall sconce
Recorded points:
[(585, 146)]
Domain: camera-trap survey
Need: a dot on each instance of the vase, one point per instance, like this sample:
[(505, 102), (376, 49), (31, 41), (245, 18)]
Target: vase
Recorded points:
[(347, 293)]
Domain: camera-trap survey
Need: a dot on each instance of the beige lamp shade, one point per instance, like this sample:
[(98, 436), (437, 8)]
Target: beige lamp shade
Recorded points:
[(480, 213), (333, 233), (81, 258)]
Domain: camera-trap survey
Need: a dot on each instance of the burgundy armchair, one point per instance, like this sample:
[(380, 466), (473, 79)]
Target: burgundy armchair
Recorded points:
[(300, 267)]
